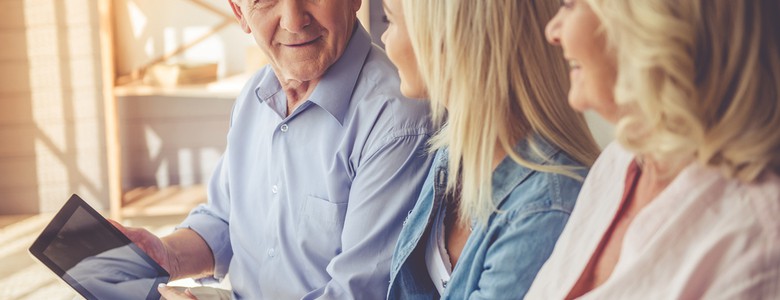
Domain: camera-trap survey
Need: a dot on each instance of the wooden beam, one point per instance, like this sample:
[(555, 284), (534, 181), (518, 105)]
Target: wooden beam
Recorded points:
[(110, 111), (364, 14), (213, 9)]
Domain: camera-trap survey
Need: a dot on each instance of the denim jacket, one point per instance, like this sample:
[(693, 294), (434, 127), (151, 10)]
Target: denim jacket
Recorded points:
[(500, 259)]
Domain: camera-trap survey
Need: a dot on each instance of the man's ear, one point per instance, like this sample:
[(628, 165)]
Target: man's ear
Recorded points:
[(240, 15)]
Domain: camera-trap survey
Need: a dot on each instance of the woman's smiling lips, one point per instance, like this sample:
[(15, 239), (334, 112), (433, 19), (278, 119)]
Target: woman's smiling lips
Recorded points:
[(574, 67)]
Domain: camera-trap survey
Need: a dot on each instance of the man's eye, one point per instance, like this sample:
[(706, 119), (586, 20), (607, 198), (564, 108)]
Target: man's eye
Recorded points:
[(262, 2)]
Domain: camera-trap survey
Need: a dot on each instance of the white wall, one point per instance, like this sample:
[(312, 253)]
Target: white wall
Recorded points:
[(170, 141), (602, 130), (51, 123)]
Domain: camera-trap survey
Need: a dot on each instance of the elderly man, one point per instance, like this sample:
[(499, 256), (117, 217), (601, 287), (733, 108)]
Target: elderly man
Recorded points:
[(324, 160)]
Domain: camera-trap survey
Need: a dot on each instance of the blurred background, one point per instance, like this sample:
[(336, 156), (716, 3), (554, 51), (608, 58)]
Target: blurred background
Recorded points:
[(124, 102)]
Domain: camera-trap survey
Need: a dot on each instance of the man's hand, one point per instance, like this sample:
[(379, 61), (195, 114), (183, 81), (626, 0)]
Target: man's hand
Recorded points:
[(149, 243), (171, 293), (183, 253)]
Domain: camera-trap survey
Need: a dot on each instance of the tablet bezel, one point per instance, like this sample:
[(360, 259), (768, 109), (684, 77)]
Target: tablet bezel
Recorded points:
[(58, 222)]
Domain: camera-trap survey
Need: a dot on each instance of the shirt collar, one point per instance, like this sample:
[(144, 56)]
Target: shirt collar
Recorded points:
[(334, 90)]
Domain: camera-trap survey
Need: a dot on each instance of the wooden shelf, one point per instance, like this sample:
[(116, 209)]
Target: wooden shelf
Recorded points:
[(227, 88), (154, 201)]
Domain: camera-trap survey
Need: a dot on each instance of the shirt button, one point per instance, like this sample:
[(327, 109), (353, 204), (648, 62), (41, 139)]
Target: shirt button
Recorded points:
[(284, 128), (271, 252), (274, 189)]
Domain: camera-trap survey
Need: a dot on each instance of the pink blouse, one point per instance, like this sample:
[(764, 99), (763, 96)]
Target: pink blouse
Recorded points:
[(703, 237)]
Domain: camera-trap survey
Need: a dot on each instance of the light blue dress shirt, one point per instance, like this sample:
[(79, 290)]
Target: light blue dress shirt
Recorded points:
[(501, 258), (310, 205)]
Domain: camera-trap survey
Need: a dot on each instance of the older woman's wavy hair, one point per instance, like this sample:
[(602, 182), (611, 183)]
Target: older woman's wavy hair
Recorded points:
[(698, 80), (488, 62)]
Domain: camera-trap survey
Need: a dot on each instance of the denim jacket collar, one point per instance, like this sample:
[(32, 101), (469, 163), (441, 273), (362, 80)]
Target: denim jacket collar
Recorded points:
[(517, 190), (509, 174)]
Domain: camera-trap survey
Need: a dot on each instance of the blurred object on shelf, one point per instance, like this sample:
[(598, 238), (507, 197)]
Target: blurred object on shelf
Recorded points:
[(175, 74)]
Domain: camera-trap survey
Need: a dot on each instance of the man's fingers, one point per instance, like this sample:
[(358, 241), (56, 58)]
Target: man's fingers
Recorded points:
[(189, 293), (171, 293), (137, 235), (118, 226), (131, 233), (141, 237)]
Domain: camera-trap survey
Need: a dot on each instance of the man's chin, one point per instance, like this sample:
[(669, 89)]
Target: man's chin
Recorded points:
[(303, 72)]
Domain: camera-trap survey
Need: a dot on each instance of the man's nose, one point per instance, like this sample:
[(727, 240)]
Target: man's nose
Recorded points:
[(294, 16)]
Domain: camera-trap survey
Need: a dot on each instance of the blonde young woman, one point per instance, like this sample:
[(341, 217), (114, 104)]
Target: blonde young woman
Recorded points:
[(685, 204), (511, 153)]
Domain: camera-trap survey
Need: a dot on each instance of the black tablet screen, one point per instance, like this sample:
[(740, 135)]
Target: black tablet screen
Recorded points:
[(95, 258)]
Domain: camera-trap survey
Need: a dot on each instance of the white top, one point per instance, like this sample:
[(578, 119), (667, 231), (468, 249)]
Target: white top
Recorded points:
[(703, 237), (436, 257)]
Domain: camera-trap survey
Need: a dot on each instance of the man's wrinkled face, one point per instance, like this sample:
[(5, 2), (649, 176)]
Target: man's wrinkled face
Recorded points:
[(302, 38)]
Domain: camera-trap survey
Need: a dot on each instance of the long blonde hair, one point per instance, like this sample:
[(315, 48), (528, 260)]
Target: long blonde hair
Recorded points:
[(698, 80), (490, 73)]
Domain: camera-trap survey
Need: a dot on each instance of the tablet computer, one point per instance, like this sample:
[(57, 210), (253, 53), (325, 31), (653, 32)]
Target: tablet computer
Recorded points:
[(94, 257)]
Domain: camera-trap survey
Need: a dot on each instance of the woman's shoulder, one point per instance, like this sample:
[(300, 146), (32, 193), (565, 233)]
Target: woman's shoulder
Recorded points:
[(753, 206), (731, 223)]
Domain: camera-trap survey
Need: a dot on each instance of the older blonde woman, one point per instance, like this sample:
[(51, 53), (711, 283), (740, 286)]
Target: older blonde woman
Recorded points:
[(511, 153), (685, 204)]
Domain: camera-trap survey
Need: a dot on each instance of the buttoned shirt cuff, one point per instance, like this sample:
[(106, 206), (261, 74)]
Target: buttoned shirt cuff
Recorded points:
[(214, 231)]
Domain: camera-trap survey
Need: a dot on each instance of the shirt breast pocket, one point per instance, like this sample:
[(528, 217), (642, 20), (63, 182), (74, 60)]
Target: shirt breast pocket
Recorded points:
[(321, 223)]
